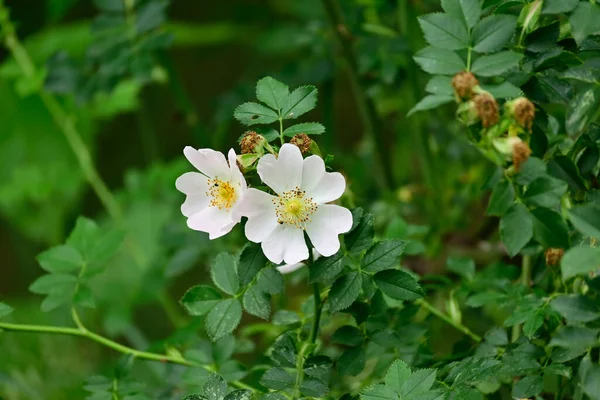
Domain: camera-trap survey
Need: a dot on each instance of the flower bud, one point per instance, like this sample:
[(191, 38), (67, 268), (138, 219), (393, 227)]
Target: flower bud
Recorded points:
[(520, 153), (523, 111), (302, 141), (487, 109), (463, 83), (252, 143), (553, 256)]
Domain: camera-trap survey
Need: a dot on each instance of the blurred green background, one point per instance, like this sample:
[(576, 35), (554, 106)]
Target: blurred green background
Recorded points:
[(418, 175)]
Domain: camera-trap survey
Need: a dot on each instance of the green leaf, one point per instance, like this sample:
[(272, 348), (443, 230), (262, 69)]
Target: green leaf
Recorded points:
[(257, 302), (530, 171), (549, 229), (462, 266), (378, 392), (344, 291), (313, 388), (527, 387), (54, 283), (83, 236), (582, 109), (150, 15), (308, 128), (444, 31), (502, 198), (574, 337), (270, 280), (397, 375), (5, 310), (493, 33), (440, 85), (562, 167), (580, 261), (496, 64), (503, 90), (361, 237), (62, 258), (468, 11), (272, 92), (383, 255), (215, 388), (591, 382), (586, 219), (326, 268), (283, 351), (55, 300), (277, 378), (223, 318), (516, 228), (348, 335), (545, 192), (398, 285), (301, 101), (254, 113), (559, 6), (431, 101), (223, 272), (110, 5), (352, 361), (199, 300), (419, 382), (576, 308), (439, 61), (240, 394), (584, 21), (252, 260)]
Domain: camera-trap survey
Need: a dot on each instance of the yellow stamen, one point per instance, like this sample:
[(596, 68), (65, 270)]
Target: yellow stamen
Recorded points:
[(223, 194), (294, 208)]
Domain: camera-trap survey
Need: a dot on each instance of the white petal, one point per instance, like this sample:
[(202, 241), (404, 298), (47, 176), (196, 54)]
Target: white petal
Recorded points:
[(212, 220), (193, 205), (289, 268), (327, 223), (286, 243), (192, 183), (236, 174), (253, 203), (259, 227), (208, 161), (283, 173), (322, 186)]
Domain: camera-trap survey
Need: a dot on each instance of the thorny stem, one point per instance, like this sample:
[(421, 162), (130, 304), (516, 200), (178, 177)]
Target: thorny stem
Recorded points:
[(365, 106), (448, 320), (525, 278)]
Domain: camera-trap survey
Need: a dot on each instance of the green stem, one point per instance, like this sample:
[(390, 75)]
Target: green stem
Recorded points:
[(469, 54), (365, 106), (448, 320), (281, 131), (314, 333), (524, 280)]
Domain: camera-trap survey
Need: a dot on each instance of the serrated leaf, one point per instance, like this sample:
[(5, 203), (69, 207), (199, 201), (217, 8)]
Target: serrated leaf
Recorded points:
[(5, 309), (344, 291), (580, 261), (398, 285), (307, 128), (326, 268), (439, 61), (502, 198), (420, 381), (584, 21), (223, 272), (503, 90), (257, 302), (223, 318), (528, 387), (574, 337), (352, 361), (562, 167), (283, 352), (444, 31), (215, 388), (254, 113), (559, 6), (150, 16), (272, 92), (586, 219), (199, 300), (252, 260), (54, 283), (469, 11), (301, 101), (378, 392), (383, 255), (440, 85), (313, 388), (582, 110), (397, 375), (496, 64), (516, 228), (429, 102), (239, 394), (492, 33), (270, 280), (348, 335), (62, 258), (462, 266), (277, 378), (576, 308), (545, 192), (549, 229), (55, 300), (361, 237)]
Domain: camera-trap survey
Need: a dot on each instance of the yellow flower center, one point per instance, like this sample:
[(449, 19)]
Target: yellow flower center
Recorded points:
[(222, 194), (294, 208)]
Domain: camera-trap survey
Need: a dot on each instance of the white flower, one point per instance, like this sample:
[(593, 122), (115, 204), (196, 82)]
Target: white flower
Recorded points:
[(303, 188), (289, 268), (212, 194)]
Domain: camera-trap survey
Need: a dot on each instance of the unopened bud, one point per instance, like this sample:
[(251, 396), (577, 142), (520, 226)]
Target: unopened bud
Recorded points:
[(302, 141), (463, 83), (487, 109), (523, 111), (520, 152), (553, 256), (252, 142)]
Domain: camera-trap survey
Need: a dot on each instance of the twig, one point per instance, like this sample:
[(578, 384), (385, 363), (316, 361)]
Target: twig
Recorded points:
[(448, 320)]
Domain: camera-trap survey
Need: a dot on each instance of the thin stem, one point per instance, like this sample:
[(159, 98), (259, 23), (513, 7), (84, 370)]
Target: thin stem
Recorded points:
[(366, 108), (524, 279), (448, 320), (314, 333), (469, 55), (281, 131)]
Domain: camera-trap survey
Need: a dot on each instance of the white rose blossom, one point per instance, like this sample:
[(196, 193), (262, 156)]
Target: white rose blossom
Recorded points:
[(211, 195), (289, 268), (303, 189)]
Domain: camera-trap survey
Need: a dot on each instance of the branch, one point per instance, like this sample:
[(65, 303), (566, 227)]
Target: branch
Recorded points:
[(448, 320)]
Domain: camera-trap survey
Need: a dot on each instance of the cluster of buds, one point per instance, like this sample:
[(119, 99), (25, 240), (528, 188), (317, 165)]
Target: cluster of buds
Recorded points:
[(303, 142), (465, 85), (253, 143), (522, 111), (553, 256)]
